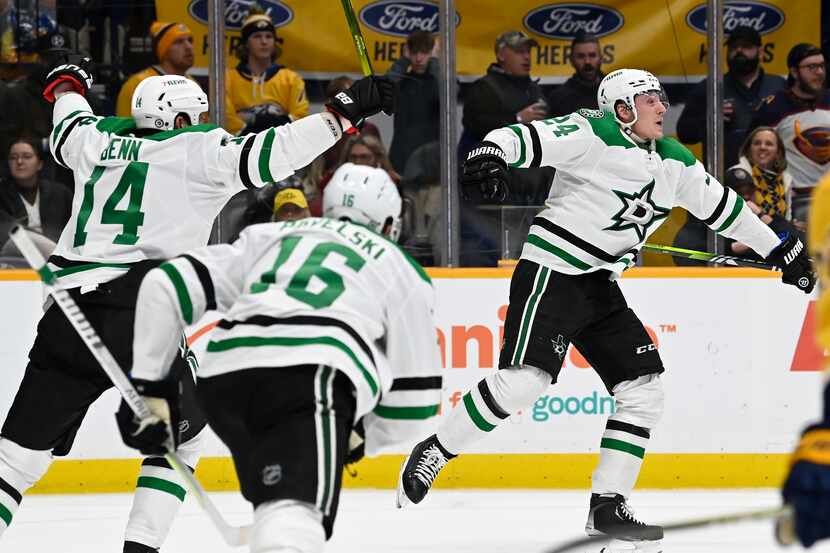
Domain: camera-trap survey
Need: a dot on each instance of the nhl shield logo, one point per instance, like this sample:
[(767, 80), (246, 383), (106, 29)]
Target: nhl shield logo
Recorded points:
[(271, 474)]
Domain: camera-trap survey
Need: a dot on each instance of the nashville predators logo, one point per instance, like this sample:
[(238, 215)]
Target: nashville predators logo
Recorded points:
[(638, 212), (813, 143)]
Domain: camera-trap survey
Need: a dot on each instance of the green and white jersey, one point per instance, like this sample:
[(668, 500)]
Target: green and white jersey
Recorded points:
[(308, 292), (609, 194), (157, 195)]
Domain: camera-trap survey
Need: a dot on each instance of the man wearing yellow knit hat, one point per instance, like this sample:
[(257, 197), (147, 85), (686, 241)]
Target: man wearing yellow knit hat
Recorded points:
[(259, 92), (173, 47)]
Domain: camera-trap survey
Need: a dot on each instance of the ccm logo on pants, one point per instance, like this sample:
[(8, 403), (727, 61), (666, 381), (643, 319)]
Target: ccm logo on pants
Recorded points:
[(643, 349)]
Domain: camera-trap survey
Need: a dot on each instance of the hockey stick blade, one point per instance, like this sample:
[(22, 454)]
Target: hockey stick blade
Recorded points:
[(709, 257), (357, 38), (782, 513), (232, 535)]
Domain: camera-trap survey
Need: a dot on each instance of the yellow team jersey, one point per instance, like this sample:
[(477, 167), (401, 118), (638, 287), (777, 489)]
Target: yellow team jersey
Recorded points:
[(125, 95), (819, 241), (278, 85)]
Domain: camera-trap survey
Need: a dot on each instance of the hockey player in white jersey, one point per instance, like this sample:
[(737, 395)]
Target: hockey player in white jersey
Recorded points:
[(617, 178), (146, 187), (326, 323)]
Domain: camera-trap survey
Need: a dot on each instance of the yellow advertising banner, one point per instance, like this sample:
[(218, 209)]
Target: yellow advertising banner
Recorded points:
[(667, 38)]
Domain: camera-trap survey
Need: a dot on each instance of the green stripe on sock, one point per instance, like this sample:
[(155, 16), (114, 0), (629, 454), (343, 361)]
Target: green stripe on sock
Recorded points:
[(5, 515), (161, 485), (625, 447), (475, 415), (181, 291), (406, 413)]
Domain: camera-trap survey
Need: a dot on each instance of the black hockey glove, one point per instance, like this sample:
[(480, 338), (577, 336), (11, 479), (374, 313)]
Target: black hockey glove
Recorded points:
[(807, 487), (263, 117), (486, 170), (78, 75), (158, 434), (363, 99), (791, 257)]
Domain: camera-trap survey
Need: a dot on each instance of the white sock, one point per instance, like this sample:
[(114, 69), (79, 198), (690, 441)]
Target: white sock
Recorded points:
[(489, 403), (639, 404), (20, 468), (287, 526), (159, 493)]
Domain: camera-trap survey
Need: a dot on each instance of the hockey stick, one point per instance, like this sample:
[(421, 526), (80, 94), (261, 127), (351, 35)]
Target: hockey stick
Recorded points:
[(709, 257), (357, 38), (232, 535), (782, 515)]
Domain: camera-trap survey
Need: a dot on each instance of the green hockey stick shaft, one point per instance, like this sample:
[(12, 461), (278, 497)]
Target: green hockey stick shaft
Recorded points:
[(357, 38), (708, 257)]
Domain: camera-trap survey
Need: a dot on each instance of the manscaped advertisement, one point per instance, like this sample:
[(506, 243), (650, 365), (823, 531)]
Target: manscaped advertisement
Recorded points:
[(667, 38), (742, 369)]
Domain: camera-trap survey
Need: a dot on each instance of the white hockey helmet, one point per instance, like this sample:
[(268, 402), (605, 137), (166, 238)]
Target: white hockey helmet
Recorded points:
[(364, 195), (158, 100), (623, 85)]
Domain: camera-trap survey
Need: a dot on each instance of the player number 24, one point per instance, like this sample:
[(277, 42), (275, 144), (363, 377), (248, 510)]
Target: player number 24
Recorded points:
[(132, 181), (312, 267)]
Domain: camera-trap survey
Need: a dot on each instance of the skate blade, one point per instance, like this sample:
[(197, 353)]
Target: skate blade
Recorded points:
[(401, 500), (622, 546)]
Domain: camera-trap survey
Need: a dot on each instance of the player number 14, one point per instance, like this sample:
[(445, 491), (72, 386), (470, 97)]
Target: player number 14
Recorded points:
[(132, 181)]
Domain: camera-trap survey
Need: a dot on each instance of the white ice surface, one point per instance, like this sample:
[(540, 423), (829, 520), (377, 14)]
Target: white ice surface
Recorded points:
[(448, 521)]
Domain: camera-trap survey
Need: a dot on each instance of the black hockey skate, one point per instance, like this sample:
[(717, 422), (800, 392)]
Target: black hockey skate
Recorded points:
[(419, 471), (610, 515)]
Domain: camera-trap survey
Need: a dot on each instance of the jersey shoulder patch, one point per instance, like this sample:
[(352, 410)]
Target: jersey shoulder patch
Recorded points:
[(607, 129), (669, 148)]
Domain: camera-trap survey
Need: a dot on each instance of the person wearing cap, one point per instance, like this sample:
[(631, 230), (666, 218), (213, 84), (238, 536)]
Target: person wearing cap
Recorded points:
[(290, 204), (744, 85), (173, 47), (259, 92), (801, 115), (580, 91), (506, 94)]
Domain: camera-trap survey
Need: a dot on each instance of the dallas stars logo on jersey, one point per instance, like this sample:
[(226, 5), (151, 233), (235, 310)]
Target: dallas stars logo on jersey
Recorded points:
[(639, 211)]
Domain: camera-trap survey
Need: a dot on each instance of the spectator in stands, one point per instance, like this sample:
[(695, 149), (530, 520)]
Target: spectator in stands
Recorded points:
[(742, 181), (260, 93), (762, 156), (360, 150), (580, 91), (800, 114), (28, 199), (24, 111), (421, 184), (290, 204), (744, 86), (507, 94), (417, 111), (173, 47)]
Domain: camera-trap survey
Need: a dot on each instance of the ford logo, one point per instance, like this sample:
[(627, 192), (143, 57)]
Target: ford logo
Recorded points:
[(237, 10), (399, 18), (564, 21), (761, 17)]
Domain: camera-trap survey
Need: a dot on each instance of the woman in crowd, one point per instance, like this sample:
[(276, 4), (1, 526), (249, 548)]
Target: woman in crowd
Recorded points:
[(761, 178), (28, 199), (360, 150)]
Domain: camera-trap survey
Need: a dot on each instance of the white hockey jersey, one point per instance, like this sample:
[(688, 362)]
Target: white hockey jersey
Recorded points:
[(157, 195), (313, 291), (609, 194)]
